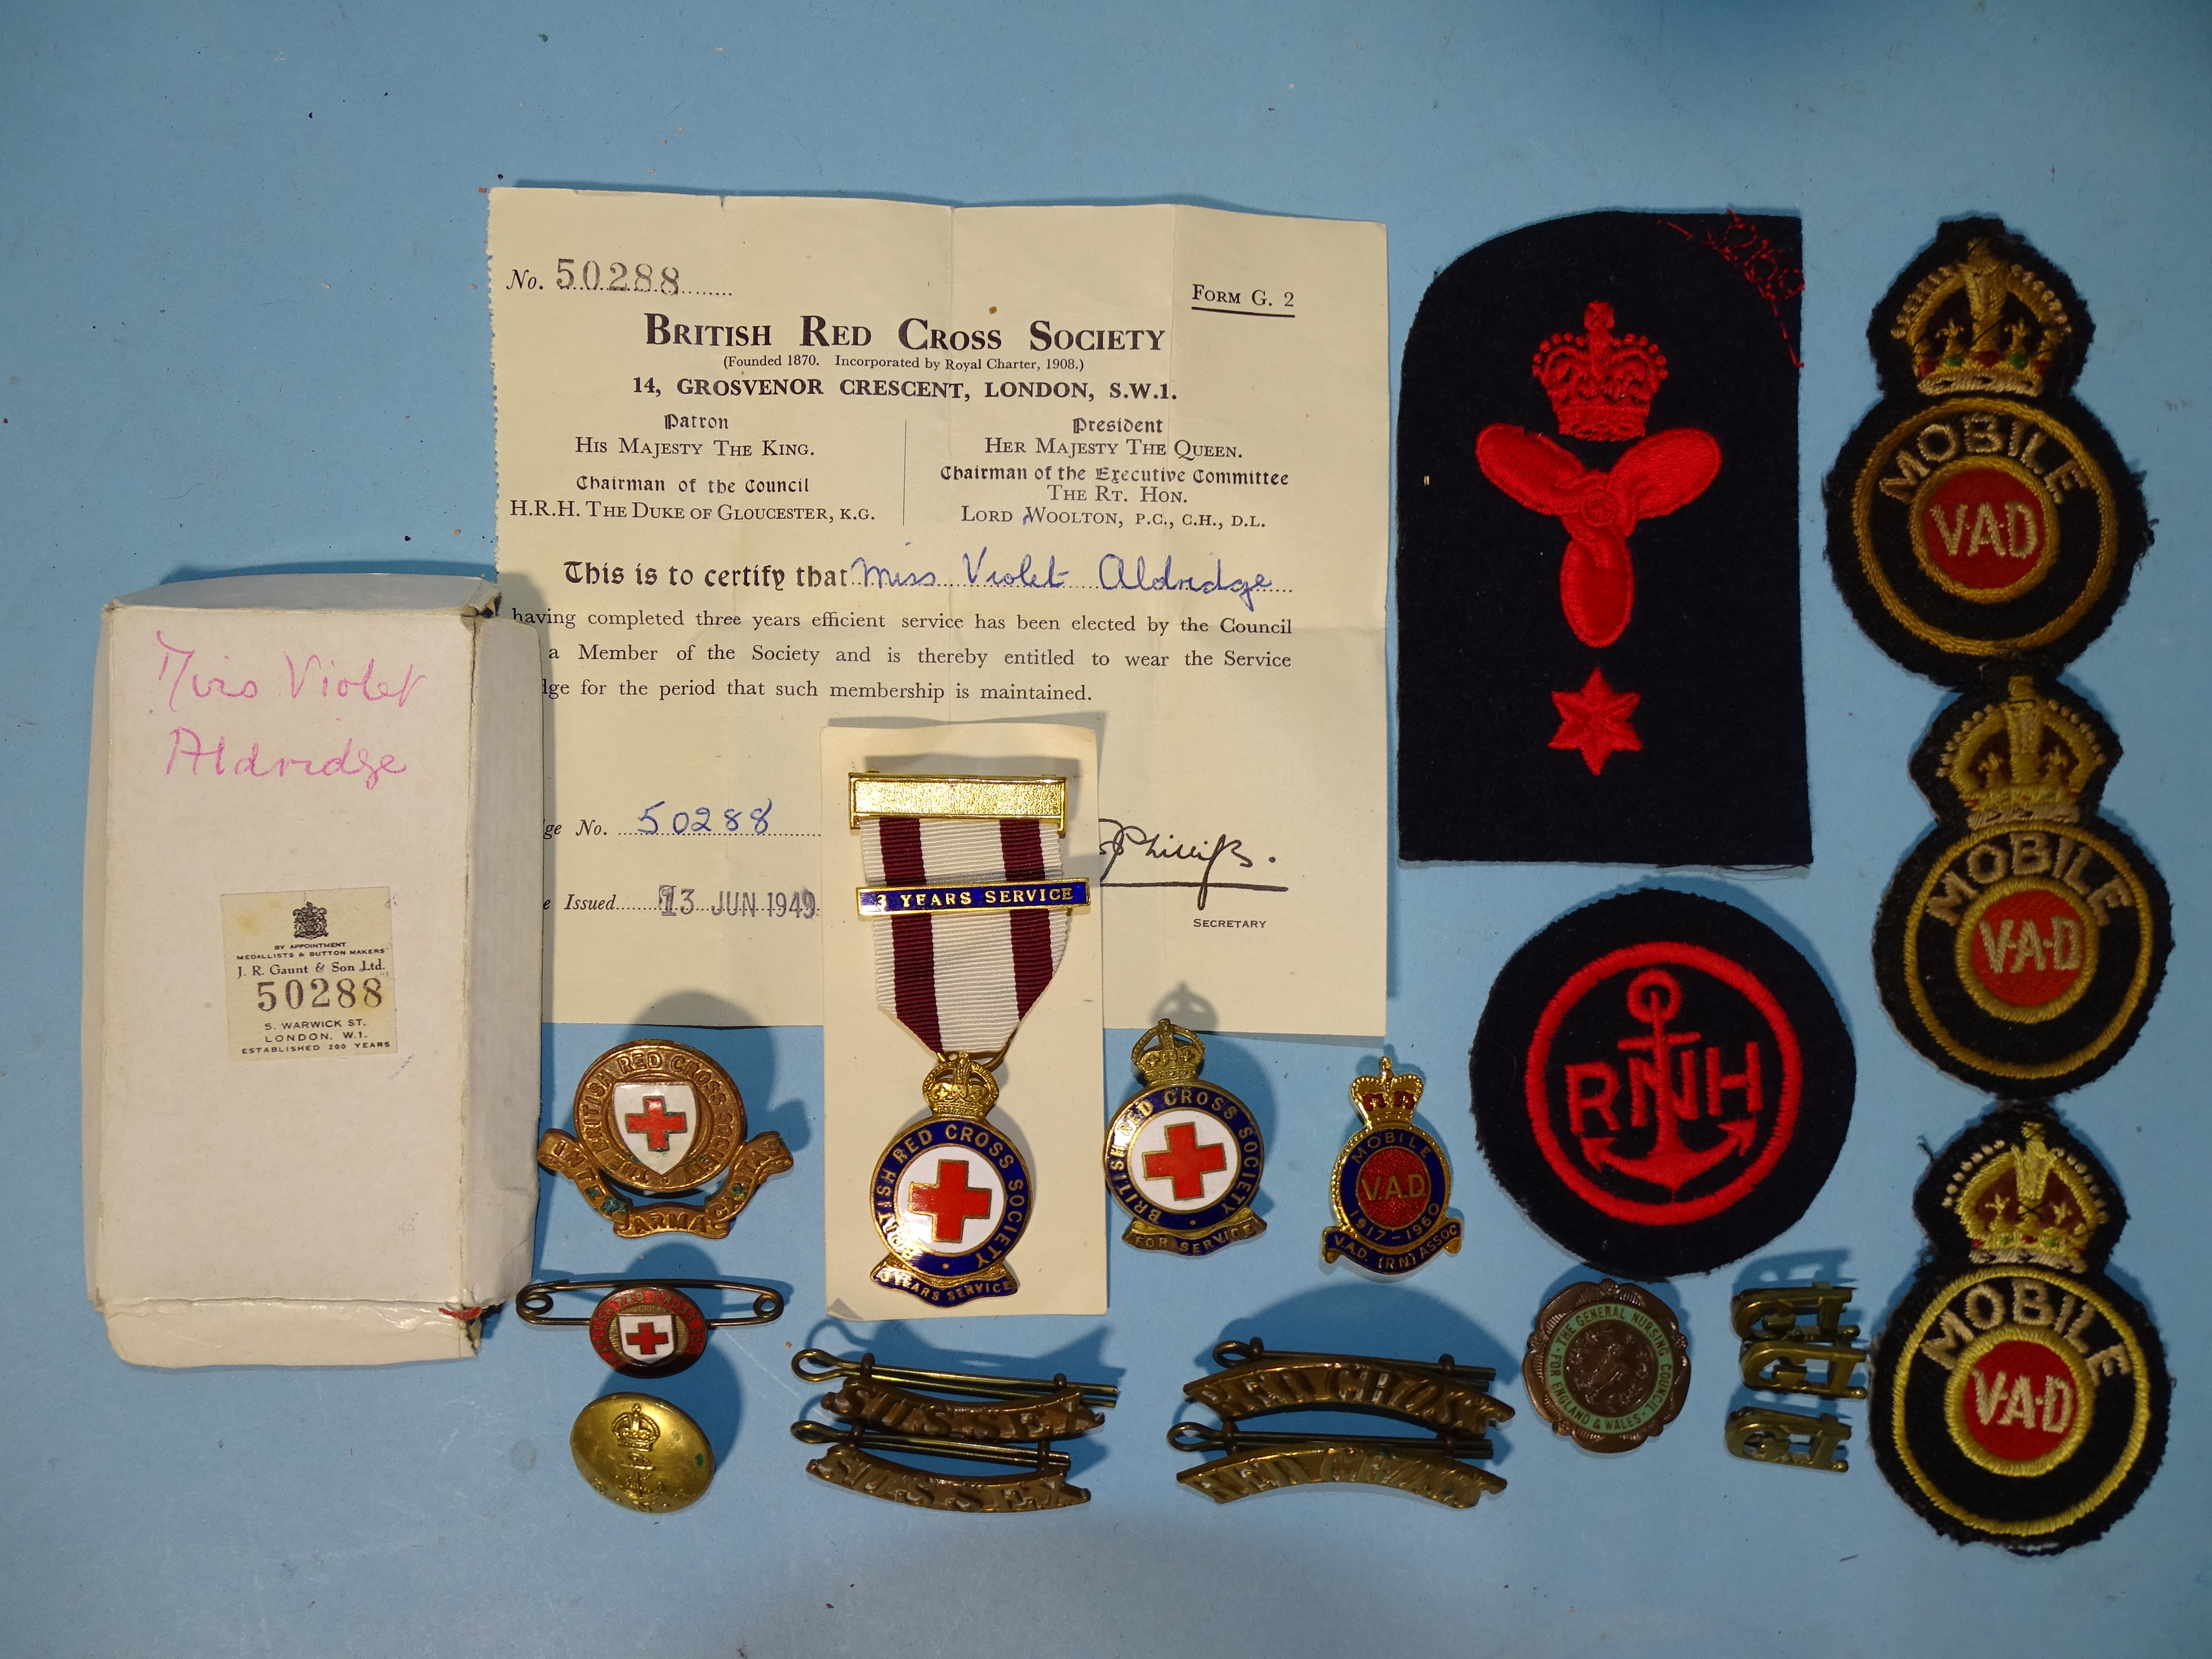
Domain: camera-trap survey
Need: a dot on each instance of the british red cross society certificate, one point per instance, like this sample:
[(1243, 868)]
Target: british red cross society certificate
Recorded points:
[(767, 464)]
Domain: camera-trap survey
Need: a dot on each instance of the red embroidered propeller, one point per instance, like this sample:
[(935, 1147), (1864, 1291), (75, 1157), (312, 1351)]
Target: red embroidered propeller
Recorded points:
[(1597, 580)]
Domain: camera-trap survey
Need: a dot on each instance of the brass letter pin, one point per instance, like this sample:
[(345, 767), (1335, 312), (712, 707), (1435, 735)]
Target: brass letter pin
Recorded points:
[(1788, 1330), (661, 1117), (1445, 1397), (888, 1408), (648, 1327)]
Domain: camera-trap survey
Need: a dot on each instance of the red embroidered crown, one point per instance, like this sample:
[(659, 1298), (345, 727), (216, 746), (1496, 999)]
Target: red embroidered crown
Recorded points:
[(1601, 383)]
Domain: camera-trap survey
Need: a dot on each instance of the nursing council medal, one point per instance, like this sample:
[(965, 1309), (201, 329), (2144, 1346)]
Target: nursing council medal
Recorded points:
[(970, 916), (1183, 1158)]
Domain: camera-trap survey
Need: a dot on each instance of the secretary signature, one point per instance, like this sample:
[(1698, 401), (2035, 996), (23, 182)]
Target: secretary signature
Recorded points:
[(1121, 839)]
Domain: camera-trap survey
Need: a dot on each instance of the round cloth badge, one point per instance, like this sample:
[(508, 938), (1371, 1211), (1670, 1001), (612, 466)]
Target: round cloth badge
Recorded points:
[(1183, 1158), (1979, 512), (1661, 1082), (1608, 1366), (2021, 943)]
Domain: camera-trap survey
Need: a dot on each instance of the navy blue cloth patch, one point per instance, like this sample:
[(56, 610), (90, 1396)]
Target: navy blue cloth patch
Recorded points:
[(1598, 653)]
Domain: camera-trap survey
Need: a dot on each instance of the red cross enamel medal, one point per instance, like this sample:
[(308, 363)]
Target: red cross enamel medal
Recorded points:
[(1183, 1158), (661, 1117), (951, 1194)]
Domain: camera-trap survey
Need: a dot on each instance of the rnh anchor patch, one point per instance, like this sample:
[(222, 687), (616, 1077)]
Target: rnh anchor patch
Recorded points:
[(1391, 1183), (1661, 1082), (2021, 1396), (2021, 945)]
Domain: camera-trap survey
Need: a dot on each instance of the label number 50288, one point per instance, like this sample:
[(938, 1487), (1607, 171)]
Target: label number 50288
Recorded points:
[(320, 993)]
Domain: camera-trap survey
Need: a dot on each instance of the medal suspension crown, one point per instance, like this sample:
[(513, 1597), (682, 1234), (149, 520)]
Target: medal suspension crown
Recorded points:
[(1601, 383), (1168, 1053), (1387, 1096), (2026, 759), (1981, 324), (958, 1087)]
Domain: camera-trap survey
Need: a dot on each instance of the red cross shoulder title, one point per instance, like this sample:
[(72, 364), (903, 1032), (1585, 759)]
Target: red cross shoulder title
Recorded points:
[(1600, 385)]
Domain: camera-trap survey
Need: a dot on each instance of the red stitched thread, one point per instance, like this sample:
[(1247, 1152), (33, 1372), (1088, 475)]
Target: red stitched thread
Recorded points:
[(1744, 246), (1597, 581)]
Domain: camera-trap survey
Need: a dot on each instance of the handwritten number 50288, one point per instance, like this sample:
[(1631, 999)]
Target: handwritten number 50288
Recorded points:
[(700, 820)]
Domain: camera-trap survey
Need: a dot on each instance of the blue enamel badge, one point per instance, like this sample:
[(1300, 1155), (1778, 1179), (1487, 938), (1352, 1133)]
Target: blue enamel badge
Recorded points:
[(951, 1194), (1183, 1158), (1391, 1183)]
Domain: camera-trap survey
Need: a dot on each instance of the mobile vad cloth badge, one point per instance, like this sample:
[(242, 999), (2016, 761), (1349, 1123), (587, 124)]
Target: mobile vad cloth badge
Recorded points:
[(1597, 559), (2021, 943), (1183, 1158), (1661, 1082), (1980, 511), (2021, 1396), (1391, 1186), (969, 911), (661, 1117)]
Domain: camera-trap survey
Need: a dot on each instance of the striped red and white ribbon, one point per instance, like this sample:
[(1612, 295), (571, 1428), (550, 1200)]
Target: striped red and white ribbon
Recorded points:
[(964, 981)]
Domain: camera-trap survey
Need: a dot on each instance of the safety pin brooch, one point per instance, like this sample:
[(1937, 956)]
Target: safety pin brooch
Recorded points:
[(647, 1327), (885, 1408), (1450, 1399)]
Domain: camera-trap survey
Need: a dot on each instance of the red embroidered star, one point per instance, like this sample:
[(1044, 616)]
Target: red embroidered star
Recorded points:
[(1594, 719)]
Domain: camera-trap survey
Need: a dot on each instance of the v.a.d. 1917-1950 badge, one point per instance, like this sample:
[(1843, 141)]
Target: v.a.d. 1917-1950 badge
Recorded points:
[(1391, 1184)]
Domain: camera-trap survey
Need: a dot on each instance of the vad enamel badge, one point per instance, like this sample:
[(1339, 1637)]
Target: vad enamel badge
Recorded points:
[(1661, 1082), (661, 1117), (1183, 1158), (1980, 511), (2021, 943), (2021, 1395), (1391, 1183), (951, 1194)]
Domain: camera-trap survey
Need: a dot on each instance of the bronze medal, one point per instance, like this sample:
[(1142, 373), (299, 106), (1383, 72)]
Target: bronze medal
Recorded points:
[(1608, 1366)]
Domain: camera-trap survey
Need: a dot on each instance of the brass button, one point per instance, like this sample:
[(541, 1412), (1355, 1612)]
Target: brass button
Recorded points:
[(641, 1453)]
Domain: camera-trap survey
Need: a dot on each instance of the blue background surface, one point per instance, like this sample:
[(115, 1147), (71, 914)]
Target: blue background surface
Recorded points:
[(242, 259)]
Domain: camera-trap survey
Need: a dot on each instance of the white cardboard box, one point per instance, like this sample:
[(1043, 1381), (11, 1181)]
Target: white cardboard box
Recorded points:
[(311, 969)]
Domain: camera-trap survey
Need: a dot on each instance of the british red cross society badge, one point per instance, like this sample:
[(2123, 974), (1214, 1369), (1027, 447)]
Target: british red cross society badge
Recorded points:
[(1392, 1184), (2022, 1395), (1661, 1082), (970, 908), (1183, 1158), (661, 1117), (648, 1327), (2021, 943)]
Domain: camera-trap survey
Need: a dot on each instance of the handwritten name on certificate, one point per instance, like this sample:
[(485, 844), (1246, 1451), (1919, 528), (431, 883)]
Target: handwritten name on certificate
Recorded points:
[(769, 463)]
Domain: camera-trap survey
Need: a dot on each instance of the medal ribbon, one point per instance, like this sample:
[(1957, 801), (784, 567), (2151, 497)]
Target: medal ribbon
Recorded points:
[(963, 979)]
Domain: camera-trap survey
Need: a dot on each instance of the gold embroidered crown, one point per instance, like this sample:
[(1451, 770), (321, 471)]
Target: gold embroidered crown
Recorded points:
[(636, 1429), (2025, 1202), (958, 1087), (1981, 324), (1168, 1053), (2028, 758), (1387, 1096), (1601, 383)]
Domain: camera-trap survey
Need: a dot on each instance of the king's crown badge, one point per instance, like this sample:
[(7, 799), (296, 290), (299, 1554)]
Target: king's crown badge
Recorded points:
[(958, 1086), (2024, 1200), (1982, 324), (2028, 758), (1168, 1053)]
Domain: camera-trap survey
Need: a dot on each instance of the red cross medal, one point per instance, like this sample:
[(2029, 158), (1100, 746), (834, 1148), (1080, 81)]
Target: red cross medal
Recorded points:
[(1183, 1158), (1391, 1183), (661, 1117), (970, 909)]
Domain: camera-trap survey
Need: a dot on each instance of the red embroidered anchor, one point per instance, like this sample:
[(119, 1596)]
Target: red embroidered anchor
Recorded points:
[(1601, 386), (1654, 998)]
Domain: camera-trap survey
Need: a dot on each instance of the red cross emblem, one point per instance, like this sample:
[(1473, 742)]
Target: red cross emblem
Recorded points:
[(951, 1203), (1186, 1162), (643, 1336), (656, 1123)]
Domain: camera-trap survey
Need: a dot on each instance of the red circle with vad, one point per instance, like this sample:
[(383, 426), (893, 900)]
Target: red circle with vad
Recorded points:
[(1672, 985)]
